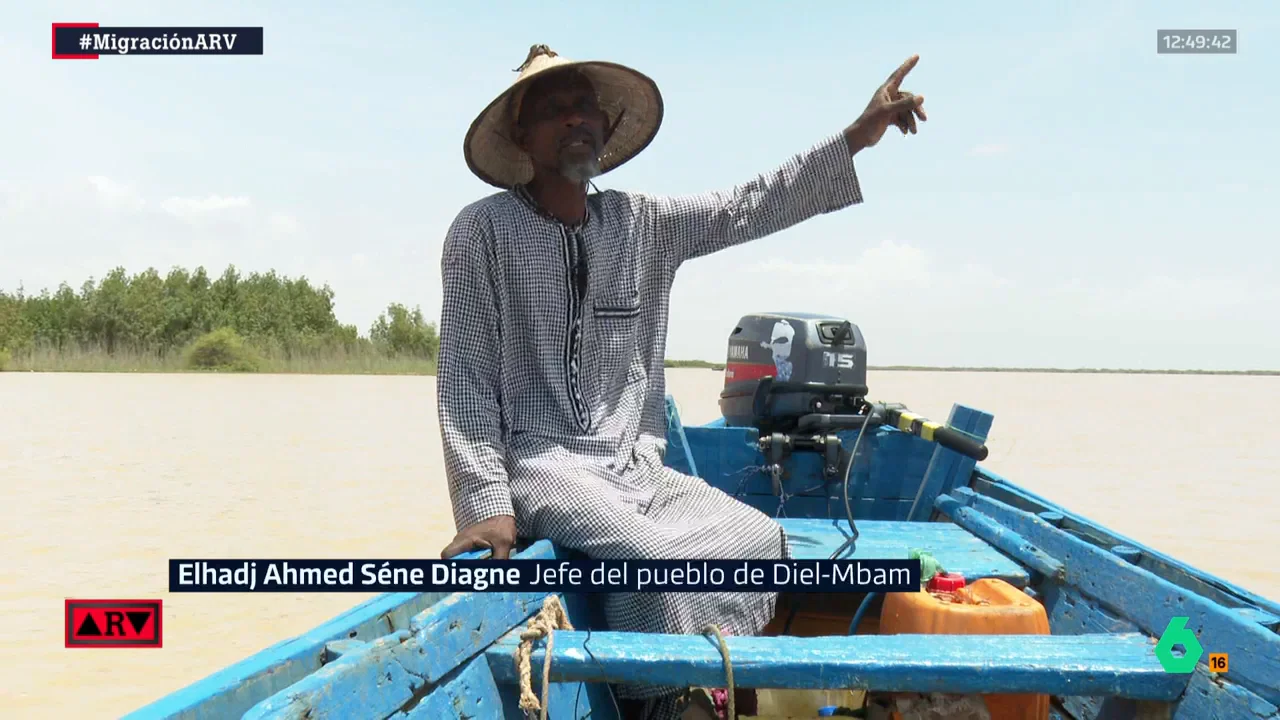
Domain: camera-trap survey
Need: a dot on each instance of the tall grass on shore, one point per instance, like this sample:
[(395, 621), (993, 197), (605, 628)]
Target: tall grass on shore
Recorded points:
[(97, 359), (187, 322)]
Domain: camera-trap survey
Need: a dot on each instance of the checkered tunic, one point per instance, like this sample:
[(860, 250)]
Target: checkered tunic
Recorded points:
[(551, 381)]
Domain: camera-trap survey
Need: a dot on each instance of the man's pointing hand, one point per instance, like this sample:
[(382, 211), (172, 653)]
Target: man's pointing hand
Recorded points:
[(890, 105)]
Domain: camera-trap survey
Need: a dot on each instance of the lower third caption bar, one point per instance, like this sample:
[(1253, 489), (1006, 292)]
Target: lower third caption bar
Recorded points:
[(553, 576)]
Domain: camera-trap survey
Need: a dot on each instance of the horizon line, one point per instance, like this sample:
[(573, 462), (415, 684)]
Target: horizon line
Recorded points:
[(710, 365)]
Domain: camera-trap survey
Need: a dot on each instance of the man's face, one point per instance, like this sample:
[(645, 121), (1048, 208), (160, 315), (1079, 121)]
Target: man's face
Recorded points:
[(561, 126)]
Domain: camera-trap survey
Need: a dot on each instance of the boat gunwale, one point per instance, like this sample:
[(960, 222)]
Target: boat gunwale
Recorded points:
[(1246, 597), (366, 621)]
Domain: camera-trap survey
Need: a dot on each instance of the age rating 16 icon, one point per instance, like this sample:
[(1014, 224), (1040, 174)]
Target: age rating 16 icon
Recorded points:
[(1176, 634)]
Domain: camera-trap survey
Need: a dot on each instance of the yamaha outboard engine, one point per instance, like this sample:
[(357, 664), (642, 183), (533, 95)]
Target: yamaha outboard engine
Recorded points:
[(794, 371), (801, 380)]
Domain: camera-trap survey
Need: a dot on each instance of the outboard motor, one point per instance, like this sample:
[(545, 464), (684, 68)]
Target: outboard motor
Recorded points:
[(794, 371), (800, 380)]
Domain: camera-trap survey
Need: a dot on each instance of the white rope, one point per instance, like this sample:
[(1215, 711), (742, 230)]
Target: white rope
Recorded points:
[(728, 668), (550, 618)]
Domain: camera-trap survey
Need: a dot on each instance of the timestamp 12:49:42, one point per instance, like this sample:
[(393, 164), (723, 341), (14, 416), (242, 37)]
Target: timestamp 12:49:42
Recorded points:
[(1196, 42)]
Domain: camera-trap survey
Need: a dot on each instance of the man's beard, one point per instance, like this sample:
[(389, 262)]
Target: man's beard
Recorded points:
[(580, 171)]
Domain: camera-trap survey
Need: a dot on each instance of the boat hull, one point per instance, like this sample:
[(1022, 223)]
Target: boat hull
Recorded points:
[(1107, 597)]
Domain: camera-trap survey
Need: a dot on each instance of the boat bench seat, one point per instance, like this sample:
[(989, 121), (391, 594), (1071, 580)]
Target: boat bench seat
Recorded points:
[(956, 548), (1120, 665)]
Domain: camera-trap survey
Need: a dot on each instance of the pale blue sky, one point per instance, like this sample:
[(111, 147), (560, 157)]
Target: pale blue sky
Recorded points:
[(1075, 199)]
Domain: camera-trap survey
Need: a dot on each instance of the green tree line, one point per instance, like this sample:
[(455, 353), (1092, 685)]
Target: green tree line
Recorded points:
[(265, 321)]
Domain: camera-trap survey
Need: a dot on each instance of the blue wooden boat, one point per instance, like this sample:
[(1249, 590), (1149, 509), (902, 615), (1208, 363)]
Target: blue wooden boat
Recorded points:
[(1107, 597)]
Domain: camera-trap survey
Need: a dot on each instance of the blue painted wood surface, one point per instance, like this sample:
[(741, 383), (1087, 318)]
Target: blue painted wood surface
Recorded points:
[(384, 676), (232, 691), (469, 692), (948, 468), (1224, 592), (1206, 698), (1070, 613), (387, 675), (1262, 617), (957, 550), (888, 471), (1209, 698), (893, 472), (1213, 697), (1122, 665), (804, 506), (678, 456), (1147, 600), (1000, 537)]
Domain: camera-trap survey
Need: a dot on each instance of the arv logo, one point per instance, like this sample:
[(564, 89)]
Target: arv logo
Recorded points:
[(113, 623), (837, 360)]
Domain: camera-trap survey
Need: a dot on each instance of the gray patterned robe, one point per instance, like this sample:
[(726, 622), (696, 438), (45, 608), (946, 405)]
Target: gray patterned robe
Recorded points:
[(551, 382)]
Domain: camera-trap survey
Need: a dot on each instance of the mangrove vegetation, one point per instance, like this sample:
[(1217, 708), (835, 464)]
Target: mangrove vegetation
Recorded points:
[(187, 320)]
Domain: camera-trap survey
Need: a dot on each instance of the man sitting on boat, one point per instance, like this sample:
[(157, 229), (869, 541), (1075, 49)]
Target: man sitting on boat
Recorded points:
[(553, 333)]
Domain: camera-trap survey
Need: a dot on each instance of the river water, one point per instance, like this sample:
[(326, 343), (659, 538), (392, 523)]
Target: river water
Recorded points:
[(108, 476)]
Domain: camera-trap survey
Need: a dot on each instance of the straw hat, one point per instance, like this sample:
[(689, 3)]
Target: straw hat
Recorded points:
[(630, 100)]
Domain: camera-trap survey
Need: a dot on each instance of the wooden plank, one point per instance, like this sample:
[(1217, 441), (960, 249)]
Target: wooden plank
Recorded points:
[(975, 422), (1148, 600), (383, 677), (388, 672), (890, 463), (954, 547), (1071, 613), (1263, 618), (887, 474), (230, 692), (1206, 698), (986, 482), (724, 455), (1209, 698), (1120, 665), (372, 679), (338, 648), (1000, 537), (809, 507), (470, 693), (948, 468)]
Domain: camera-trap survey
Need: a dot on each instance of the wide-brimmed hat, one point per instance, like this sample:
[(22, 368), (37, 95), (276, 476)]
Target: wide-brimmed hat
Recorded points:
[(629, 98)]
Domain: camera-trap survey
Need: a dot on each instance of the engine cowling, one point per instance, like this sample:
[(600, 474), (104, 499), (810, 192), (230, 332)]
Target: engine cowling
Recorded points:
[(808, 363)]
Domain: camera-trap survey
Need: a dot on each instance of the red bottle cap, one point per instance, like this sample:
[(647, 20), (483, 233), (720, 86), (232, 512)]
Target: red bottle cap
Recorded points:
[(945, 582)]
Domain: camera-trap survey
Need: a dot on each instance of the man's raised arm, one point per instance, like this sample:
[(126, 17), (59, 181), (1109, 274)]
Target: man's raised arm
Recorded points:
[(819, 180), (467, 384)]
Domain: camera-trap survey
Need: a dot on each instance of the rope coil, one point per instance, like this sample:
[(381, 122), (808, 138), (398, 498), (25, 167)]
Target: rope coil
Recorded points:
[(553, 617), (550, 618)]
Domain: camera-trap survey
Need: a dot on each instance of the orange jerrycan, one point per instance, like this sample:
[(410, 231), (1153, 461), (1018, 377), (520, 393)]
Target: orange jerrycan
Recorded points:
[(987, 607)]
